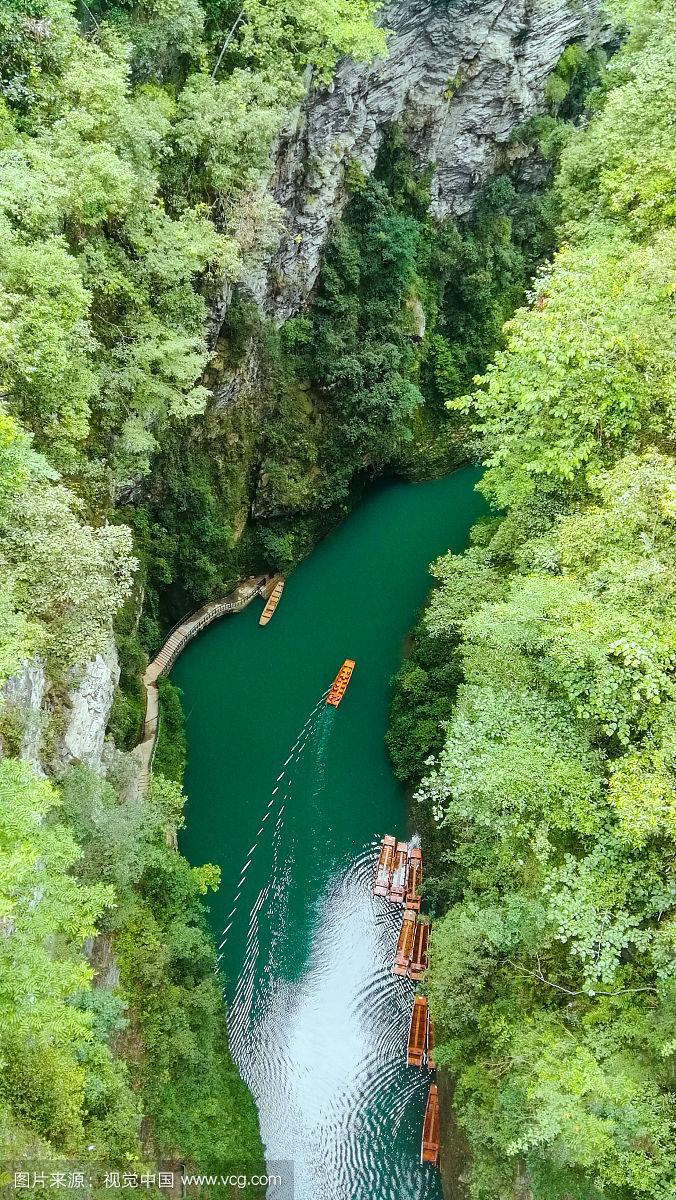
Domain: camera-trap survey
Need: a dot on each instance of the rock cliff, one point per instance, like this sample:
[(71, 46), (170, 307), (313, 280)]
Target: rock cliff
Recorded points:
[(460, 76), (89, 702), (84, 712), (24, 694)]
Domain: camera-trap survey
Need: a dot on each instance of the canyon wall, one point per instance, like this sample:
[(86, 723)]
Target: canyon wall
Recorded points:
[(460, 76)]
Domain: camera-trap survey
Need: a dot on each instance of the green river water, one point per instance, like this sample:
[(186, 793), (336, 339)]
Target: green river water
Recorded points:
[(291, 799)]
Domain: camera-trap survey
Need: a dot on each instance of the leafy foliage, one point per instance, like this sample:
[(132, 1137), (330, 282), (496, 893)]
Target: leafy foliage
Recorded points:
[(134, 152), (425, 689), (190, 1086), (63, 579), (552, 957), (554, 790), (52, 1063), (588, 370), (170, 751), (110, 199), (625, 168)]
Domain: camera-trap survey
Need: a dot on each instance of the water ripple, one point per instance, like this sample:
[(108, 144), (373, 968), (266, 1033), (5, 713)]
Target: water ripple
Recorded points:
[(325, 1055)]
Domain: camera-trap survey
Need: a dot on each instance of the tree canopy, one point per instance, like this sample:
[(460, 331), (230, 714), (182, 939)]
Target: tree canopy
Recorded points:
[(134, 160), (552, 957)]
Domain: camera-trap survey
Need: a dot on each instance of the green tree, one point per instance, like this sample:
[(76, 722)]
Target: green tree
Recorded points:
[(587, 372), (46, 914)]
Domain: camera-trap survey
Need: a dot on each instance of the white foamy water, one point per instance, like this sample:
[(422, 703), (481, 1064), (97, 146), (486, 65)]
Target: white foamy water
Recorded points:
[(325, 1055)]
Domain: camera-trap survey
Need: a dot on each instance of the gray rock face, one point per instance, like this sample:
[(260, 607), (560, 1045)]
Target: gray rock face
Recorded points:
[(87, 717), (460, 75), (99, 954), (25, 693)]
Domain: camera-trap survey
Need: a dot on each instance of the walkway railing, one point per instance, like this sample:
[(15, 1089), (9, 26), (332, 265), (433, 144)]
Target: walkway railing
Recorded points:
[(224, 605), (176, 641)]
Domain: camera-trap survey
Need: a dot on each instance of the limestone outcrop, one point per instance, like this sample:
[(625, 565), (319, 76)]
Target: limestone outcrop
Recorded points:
[(90, 700), (459, 77), (23, 694)]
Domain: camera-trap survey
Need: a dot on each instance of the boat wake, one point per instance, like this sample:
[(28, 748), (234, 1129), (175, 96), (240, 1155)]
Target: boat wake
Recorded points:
[(274, 807), (325, 1055), (320, 1034)]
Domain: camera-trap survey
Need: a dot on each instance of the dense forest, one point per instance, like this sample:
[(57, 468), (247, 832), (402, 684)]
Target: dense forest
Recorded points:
[(134, 141), (538, 702), (534, 714)]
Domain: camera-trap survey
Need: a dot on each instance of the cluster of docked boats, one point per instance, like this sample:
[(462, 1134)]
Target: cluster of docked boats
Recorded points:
[(398, 879), (419, 1053), (399, 873)]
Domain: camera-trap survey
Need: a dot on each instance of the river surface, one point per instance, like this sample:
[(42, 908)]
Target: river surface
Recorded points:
[(291, 798)]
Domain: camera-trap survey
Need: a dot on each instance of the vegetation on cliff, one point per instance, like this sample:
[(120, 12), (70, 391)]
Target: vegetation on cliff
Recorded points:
[(405, 310), (134, 149), (134, 146), (551, 648)]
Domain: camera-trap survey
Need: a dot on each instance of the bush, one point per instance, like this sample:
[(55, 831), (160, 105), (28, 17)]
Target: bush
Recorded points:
[(423, 699), (170, 749)]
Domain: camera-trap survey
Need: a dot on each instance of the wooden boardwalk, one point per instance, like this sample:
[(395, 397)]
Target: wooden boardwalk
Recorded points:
[(180, 635)]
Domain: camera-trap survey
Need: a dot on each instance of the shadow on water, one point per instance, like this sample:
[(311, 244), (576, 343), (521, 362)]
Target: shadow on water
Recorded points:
[(291, 798)]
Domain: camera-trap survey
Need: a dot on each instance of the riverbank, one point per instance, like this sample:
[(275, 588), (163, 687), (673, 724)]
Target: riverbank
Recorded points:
[(423, 697)]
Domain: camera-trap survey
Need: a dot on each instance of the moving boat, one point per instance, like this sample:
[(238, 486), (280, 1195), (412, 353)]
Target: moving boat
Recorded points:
[(414, 878), (429, 1149), (405, 944), (381, 886), (273, 600), (399, 874), (339, 685), (417, 1033), (419, 952)]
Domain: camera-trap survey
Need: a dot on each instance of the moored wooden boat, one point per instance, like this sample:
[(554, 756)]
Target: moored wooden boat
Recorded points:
[(399, 874), (381, 886), (402, 956), (414, 878), (419, 952), (339, 685), (273, 600), (417, 1033), (430, 1042), (429, 1149)]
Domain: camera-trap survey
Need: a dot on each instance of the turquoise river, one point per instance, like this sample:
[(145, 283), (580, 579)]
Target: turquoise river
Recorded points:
[(291, 798)]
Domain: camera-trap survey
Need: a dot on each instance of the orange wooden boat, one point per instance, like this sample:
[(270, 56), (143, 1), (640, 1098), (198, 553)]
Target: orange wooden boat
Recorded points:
[(414, 878), (339, 685), (429, 1149), (419, 953), (405, 944), (417, 1033), (430, 1042), (399, 874), (385, 863), (273, 600)]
